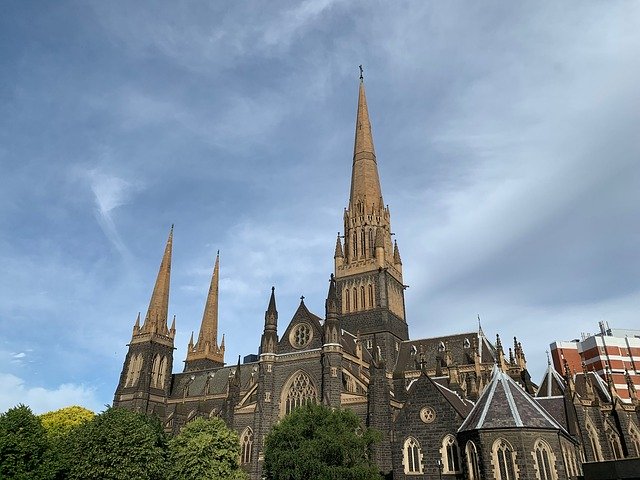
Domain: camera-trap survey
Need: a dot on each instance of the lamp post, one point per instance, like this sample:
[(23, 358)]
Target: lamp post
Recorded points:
[(440, 467)]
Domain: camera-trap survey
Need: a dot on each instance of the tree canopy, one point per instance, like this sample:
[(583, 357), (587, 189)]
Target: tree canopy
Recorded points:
[(23, 443), (60, 422), (317, 442), (117, 444), (205, 449)]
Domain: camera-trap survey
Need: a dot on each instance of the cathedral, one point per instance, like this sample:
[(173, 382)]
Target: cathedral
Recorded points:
[(458, 406)]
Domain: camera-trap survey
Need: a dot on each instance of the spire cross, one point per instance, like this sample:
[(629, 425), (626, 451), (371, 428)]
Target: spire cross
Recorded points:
[(302, 297), (548, 358), (361, 76)]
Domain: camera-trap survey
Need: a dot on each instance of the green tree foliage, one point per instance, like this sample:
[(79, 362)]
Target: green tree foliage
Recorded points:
[(117, 444), (315, 442), (60, 422), (207, 450), (22, 444)]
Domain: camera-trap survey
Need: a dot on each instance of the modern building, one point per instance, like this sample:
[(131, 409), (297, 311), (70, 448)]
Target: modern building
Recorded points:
[(454, 406), (614, 354)]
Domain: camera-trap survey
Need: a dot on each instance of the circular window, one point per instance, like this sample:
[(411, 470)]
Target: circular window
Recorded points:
[(427, 414), (301, 335)]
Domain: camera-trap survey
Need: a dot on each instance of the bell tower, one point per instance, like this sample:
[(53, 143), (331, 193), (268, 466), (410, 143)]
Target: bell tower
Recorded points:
[(145, 380), (368, 268)]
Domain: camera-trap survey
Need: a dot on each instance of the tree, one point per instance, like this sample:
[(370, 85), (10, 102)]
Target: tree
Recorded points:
[(319, 443), (117, 444), (60, 422), (23, 444), (205, 449)]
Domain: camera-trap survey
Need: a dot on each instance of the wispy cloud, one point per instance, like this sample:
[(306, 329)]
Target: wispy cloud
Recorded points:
[(110, 192)]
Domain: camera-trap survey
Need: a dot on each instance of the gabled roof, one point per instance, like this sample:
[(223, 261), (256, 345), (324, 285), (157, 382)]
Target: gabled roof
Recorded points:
[(552, 384), (462, 405), (505, 404), (600, 387)]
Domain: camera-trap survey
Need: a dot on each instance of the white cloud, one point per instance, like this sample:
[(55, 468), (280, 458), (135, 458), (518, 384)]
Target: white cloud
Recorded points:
[(40, 399)]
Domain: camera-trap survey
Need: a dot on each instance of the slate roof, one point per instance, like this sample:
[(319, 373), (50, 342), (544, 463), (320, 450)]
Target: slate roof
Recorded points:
[(555, 407), (459, 346), (505, 404), (552, 384), (217, 380), (462, 405)]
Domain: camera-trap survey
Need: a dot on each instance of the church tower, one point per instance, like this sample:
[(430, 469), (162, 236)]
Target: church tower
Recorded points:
[(206, 353), (146, 374), (368, 268)]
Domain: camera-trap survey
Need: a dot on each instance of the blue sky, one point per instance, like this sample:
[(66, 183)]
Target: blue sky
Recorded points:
[(507, 143)]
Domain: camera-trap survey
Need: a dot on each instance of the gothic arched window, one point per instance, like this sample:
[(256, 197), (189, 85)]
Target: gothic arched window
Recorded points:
[(355, 245), (472, 461), (355, 299), (503, 460), (301, 391), (450, 455), (371, 296), (412, 456), (363, 241), (246, 443), (593, 440), (162, 372), (362, 298), (155, 367), (614, 443), (545, 461), (347, 303)]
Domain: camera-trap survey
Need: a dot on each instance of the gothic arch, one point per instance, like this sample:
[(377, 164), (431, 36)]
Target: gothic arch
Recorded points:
[(544, 461), (412, 456), (472, 461), (246, 445), (299, 390), (450, 455), (503, 459), (634, 434), (594, 441)]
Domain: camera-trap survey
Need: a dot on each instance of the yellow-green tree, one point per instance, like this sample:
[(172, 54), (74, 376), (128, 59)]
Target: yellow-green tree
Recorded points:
[(60, 422)]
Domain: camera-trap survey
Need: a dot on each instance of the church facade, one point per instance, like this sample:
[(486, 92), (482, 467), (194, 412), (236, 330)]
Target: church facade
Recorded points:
[(456, 406)]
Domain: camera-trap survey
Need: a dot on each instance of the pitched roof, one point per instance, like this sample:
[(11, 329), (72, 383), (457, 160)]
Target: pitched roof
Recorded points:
[(600, 387), (459, 346), (552, 384), (505, 404)]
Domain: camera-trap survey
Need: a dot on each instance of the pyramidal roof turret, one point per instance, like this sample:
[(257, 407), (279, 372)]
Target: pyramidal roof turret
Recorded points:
[(365, 181), (156, 318)]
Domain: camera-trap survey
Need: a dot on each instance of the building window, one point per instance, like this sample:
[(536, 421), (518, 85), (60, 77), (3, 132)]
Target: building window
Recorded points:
[(503, 461), (450, 455), (472, 461), (544, 461), (595, 444), (634, 433), (301, 335), (162, 373), (362, 298), (371, 297), (355, 245), (347, 303), (616, 448), (155, 370), (355, 299), (133, 373), (246, 442), (364, 243), (300, 392), (412, 457)]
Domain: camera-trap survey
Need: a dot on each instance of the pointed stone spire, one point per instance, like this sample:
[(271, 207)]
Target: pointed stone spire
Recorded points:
[(332, 330), (269, 339), (209, 326), (339, 253), (365, 182), (206, 352), (156, 319), (136, 326), (631, 388), (396, 254), (191, 342), (172, 330)]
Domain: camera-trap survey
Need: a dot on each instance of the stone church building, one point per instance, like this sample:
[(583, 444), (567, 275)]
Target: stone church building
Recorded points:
[(458, 406)]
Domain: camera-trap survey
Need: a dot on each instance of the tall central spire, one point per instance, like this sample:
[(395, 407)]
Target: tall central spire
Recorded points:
[(206, 352), (209, 326), (156, 319), (365, 182)]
